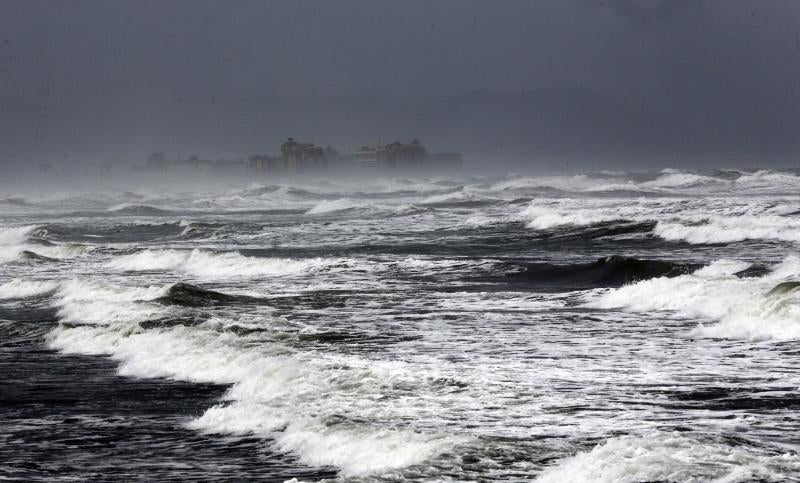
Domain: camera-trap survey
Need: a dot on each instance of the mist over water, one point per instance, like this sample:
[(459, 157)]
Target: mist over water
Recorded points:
[(610, 326)]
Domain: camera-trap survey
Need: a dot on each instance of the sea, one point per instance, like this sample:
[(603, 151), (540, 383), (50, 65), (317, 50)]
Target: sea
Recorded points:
[(608, 326)]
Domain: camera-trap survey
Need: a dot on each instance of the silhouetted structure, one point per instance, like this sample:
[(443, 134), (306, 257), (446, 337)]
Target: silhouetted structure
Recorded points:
[(303, 156), (399, 156), (308, 158)]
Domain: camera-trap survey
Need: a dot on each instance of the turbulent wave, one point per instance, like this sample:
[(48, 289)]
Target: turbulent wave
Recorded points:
[(672, 456), (14, 201), (769, 181), (29, 255), (138, 210), (28, 243), (205, 264), (193, 230), (20, 289), (681, 180), (709, 221), (295, 399), (90, 302), (17, 235), (463, 197), (417, 357), (188, 295), (341, 204), (737, 308), (567, 184), (548, 216), (605, 272), (720, 229)]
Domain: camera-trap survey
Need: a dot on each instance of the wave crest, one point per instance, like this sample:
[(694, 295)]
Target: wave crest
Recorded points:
[(671, 456), (211, 265), (735, 308), (605, 272)]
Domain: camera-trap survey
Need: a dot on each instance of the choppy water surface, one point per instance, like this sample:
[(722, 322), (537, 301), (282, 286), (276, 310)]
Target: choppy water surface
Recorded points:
[(607, 327)]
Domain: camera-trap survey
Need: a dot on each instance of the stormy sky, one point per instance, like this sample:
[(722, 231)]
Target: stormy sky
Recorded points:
[(602, 83)]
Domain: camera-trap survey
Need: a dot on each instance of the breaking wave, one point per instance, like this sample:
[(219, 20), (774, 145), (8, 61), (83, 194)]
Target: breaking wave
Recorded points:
[(20, 289), (28, 243), (188, 295), (304, 403), (720, 229), (138, 210), (681, 180), (542, 217), (605, 272), (341, 204), (672, 456), (89, 302), (205, 264), (735, 307), (709, 221)]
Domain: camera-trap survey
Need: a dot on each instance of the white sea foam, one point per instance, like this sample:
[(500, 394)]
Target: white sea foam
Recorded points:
[(88, 302), (340, 204), (678, 180), (12, 241), (212, 265), (737, 308), (769, 181), (295, 399), (666, 456), (574, 183), (16, 235), (713, 220), (545, 216), (464, 194), (15, 241), (723, 229), (18, 288), (357, 450)]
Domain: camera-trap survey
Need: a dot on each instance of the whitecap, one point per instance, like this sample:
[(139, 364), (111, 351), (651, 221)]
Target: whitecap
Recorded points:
[(731, 307), (670, 456), (205, 264)]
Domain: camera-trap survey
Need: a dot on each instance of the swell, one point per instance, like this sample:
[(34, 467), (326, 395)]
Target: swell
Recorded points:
[(613, 271), (30, 244), (733, 300), (188, 295), (208, 264), (139, 210), (597, 230)]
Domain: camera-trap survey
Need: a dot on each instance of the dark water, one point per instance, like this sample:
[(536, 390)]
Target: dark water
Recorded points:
[(68, 417), (611, 327)]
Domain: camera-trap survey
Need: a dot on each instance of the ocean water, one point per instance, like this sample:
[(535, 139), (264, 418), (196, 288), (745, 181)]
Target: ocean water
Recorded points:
[(602, 327)]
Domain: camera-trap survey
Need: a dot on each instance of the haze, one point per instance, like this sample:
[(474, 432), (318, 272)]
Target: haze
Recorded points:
[(531, 85)]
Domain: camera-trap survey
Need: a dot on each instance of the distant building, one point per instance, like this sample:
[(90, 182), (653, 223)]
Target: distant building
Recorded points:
[(330, 153), (262, 163), (398, 156), (303, 156), (308, 158)]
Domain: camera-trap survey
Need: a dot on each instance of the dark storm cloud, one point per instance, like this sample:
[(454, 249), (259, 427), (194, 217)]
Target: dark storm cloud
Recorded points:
[(643, 13), (597, 82)]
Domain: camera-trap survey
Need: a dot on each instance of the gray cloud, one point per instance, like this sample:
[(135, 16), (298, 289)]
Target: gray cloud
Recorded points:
[(642, 14)]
